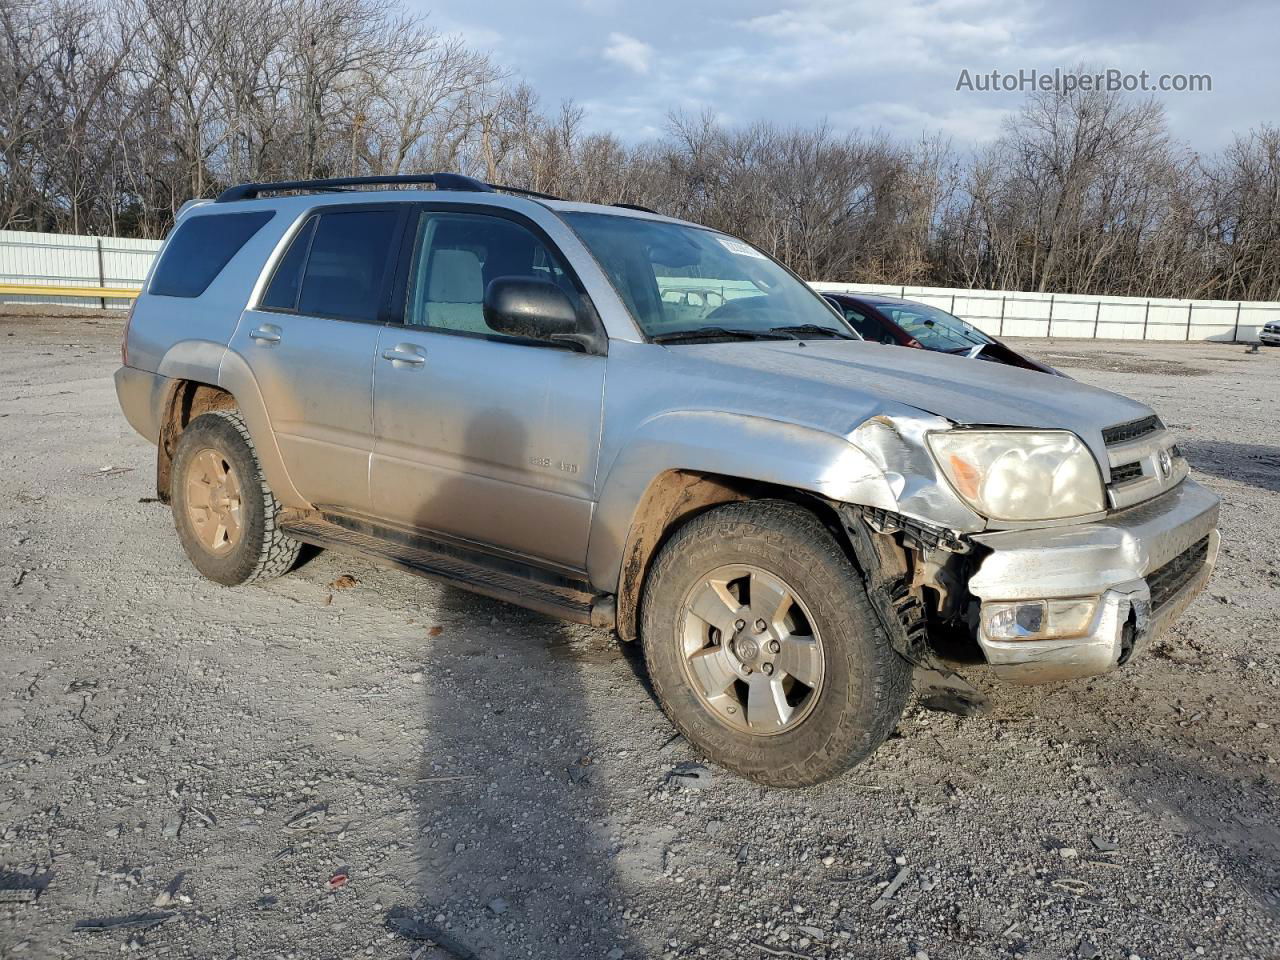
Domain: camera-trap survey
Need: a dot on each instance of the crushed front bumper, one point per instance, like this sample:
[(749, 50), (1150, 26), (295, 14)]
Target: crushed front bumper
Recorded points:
[(1142, 565)]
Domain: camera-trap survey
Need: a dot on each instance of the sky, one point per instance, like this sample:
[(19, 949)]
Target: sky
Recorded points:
[(869, 64)]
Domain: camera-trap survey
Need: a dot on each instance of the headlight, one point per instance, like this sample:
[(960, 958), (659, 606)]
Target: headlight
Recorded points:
[(1020, 474)]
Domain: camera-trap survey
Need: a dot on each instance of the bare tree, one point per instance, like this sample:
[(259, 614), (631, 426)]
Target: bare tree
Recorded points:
[(114, 112)]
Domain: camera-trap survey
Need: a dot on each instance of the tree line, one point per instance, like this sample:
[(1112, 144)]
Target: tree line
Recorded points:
[(115, 112)]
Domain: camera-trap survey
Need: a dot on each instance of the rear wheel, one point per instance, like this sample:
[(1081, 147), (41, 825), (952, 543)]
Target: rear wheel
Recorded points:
[(226, 517), (763, 647)]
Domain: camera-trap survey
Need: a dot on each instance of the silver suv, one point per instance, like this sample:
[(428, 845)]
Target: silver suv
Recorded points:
[(634, 422)]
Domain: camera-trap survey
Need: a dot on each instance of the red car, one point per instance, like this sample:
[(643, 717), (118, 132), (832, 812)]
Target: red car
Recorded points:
[(907, 323)]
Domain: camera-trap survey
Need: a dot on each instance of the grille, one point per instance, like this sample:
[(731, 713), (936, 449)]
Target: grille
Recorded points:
[(1126, 472), (1173, 576), (1124, 432)]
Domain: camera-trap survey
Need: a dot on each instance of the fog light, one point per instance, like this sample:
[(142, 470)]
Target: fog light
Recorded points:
[(1037, 619)]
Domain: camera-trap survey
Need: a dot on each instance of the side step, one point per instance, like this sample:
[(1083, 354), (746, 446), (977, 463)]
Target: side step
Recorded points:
[(525, 585)]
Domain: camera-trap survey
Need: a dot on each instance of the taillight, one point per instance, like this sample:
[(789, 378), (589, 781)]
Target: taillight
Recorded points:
[(124, 340)]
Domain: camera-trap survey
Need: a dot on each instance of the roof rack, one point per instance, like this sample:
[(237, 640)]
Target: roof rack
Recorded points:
[(520, 191), (441, 181)]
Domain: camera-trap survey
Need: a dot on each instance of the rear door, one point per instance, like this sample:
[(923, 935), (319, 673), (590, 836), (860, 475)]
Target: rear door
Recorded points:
[(481, 436), (310, 343)]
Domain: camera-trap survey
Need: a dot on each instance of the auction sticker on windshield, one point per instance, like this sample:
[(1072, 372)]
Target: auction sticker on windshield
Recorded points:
[(740, 248)]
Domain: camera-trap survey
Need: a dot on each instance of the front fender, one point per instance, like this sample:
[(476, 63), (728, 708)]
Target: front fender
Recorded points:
[(883, 463), (728, 444)]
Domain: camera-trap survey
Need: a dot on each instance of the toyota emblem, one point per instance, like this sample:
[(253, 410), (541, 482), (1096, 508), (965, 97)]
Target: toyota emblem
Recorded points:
[(1166, 464)]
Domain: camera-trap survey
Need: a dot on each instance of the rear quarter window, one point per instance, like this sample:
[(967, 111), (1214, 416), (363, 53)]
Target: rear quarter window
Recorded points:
[(200, 248)]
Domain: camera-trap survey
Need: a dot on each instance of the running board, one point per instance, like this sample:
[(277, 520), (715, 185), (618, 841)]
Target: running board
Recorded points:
[(524, 585)]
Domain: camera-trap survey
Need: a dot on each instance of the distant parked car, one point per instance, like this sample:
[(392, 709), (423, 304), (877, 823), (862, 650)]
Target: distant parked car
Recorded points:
[(1270, 334), (907, 323)]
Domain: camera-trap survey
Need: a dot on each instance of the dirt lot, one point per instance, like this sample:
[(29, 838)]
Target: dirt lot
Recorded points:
[(208, 763)]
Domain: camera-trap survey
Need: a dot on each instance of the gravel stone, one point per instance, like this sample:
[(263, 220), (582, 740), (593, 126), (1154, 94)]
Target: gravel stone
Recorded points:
[(446, 796)]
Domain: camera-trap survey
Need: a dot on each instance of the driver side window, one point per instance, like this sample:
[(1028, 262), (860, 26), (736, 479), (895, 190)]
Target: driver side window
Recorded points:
[(457, 255)]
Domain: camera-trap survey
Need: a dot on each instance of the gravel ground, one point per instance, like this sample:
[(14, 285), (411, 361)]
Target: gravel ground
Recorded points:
[(337, 761)]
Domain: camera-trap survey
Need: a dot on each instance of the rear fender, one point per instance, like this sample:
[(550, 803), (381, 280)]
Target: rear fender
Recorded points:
[(236, 378), (204, 361)]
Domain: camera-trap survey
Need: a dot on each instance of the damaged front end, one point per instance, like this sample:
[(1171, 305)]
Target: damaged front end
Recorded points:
[(1123, 580), (1038, 602)]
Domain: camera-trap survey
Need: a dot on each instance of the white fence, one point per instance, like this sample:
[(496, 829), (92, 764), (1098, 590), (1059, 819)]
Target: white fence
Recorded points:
[(1010, 313), (62, 260)]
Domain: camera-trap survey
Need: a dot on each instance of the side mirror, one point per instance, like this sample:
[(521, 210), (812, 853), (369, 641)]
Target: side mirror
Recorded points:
[(535, 310)]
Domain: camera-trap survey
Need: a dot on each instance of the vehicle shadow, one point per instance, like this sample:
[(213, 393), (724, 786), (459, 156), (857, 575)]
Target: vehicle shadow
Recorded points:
[(1220, 802), (1253, 463), (509, 861), (1196, 786)]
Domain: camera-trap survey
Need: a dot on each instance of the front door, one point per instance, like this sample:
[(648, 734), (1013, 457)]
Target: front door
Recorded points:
[(480, 436)]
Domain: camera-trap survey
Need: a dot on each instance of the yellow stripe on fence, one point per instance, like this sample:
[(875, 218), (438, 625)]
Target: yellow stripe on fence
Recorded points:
[(41, 290)]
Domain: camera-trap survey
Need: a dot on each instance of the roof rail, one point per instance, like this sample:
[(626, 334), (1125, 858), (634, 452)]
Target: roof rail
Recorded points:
[(521, 191), (635, 206), (442, 181)]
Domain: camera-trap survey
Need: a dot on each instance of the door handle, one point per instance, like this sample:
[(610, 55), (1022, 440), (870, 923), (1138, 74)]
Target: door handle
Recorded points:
[(266, 333), (404, 353)]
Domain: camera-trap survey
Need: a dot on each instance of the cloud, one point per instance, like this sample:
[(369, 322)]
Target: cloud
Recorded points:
[(966, 125), (629, 52), (870, 65)]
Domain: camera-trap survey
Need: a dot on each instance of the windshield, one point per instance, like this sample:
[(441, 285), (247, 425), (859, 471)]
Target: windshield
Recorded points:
[(935, 329), (679, 280)]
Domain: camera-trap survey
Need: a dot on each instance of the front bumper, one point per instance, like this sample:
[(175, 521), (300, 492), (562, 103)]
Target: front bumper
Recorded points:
[(1269, 336), (1143, 565)]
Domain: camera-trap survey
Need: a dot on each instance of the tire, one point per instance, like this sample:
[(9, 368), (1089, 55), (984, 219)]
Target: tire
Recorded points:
[(861, 686), (219, 441)]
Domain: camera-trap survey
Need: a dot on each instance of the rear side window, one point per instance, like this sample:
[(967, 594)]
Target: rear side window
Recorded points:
[(350, 253), (200, 248), (282, 294), (336, 266)]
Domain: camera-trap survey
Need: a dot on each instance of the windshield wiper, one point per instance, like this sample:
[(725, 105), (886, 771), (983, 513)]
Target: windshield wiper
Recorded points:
[(715, 333), (802, 330)]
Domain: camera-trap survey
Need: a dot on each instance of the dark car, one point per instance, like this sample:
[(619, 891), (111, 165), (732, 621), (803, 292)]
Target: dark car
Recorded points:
[(907, 323)]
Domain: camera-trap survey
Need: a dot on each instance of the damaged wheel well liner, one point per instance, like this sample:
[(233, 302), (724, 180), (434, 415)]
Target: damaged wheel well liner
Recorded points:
[(187, 400), (677, 496)]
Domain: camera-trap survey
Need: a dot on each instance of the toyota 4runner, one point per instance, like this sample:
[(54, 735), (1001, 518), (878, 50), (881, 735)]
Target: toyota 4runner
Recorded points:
[(630, 421)]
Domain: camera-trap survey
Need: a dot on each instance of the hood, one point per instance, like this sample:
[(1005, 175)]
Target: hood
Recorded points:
[(963, 391)]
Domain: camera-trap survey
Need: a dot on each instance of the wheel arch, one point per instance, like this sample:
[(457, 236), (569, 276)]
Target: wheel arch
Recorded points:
[(682, 461), (192, 392), (674, 498)]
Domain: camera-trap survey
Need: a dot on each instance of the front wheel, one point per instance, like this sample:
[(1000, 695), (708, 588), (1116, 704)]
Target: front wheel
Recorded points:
[(226, 515), (763, 647)]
